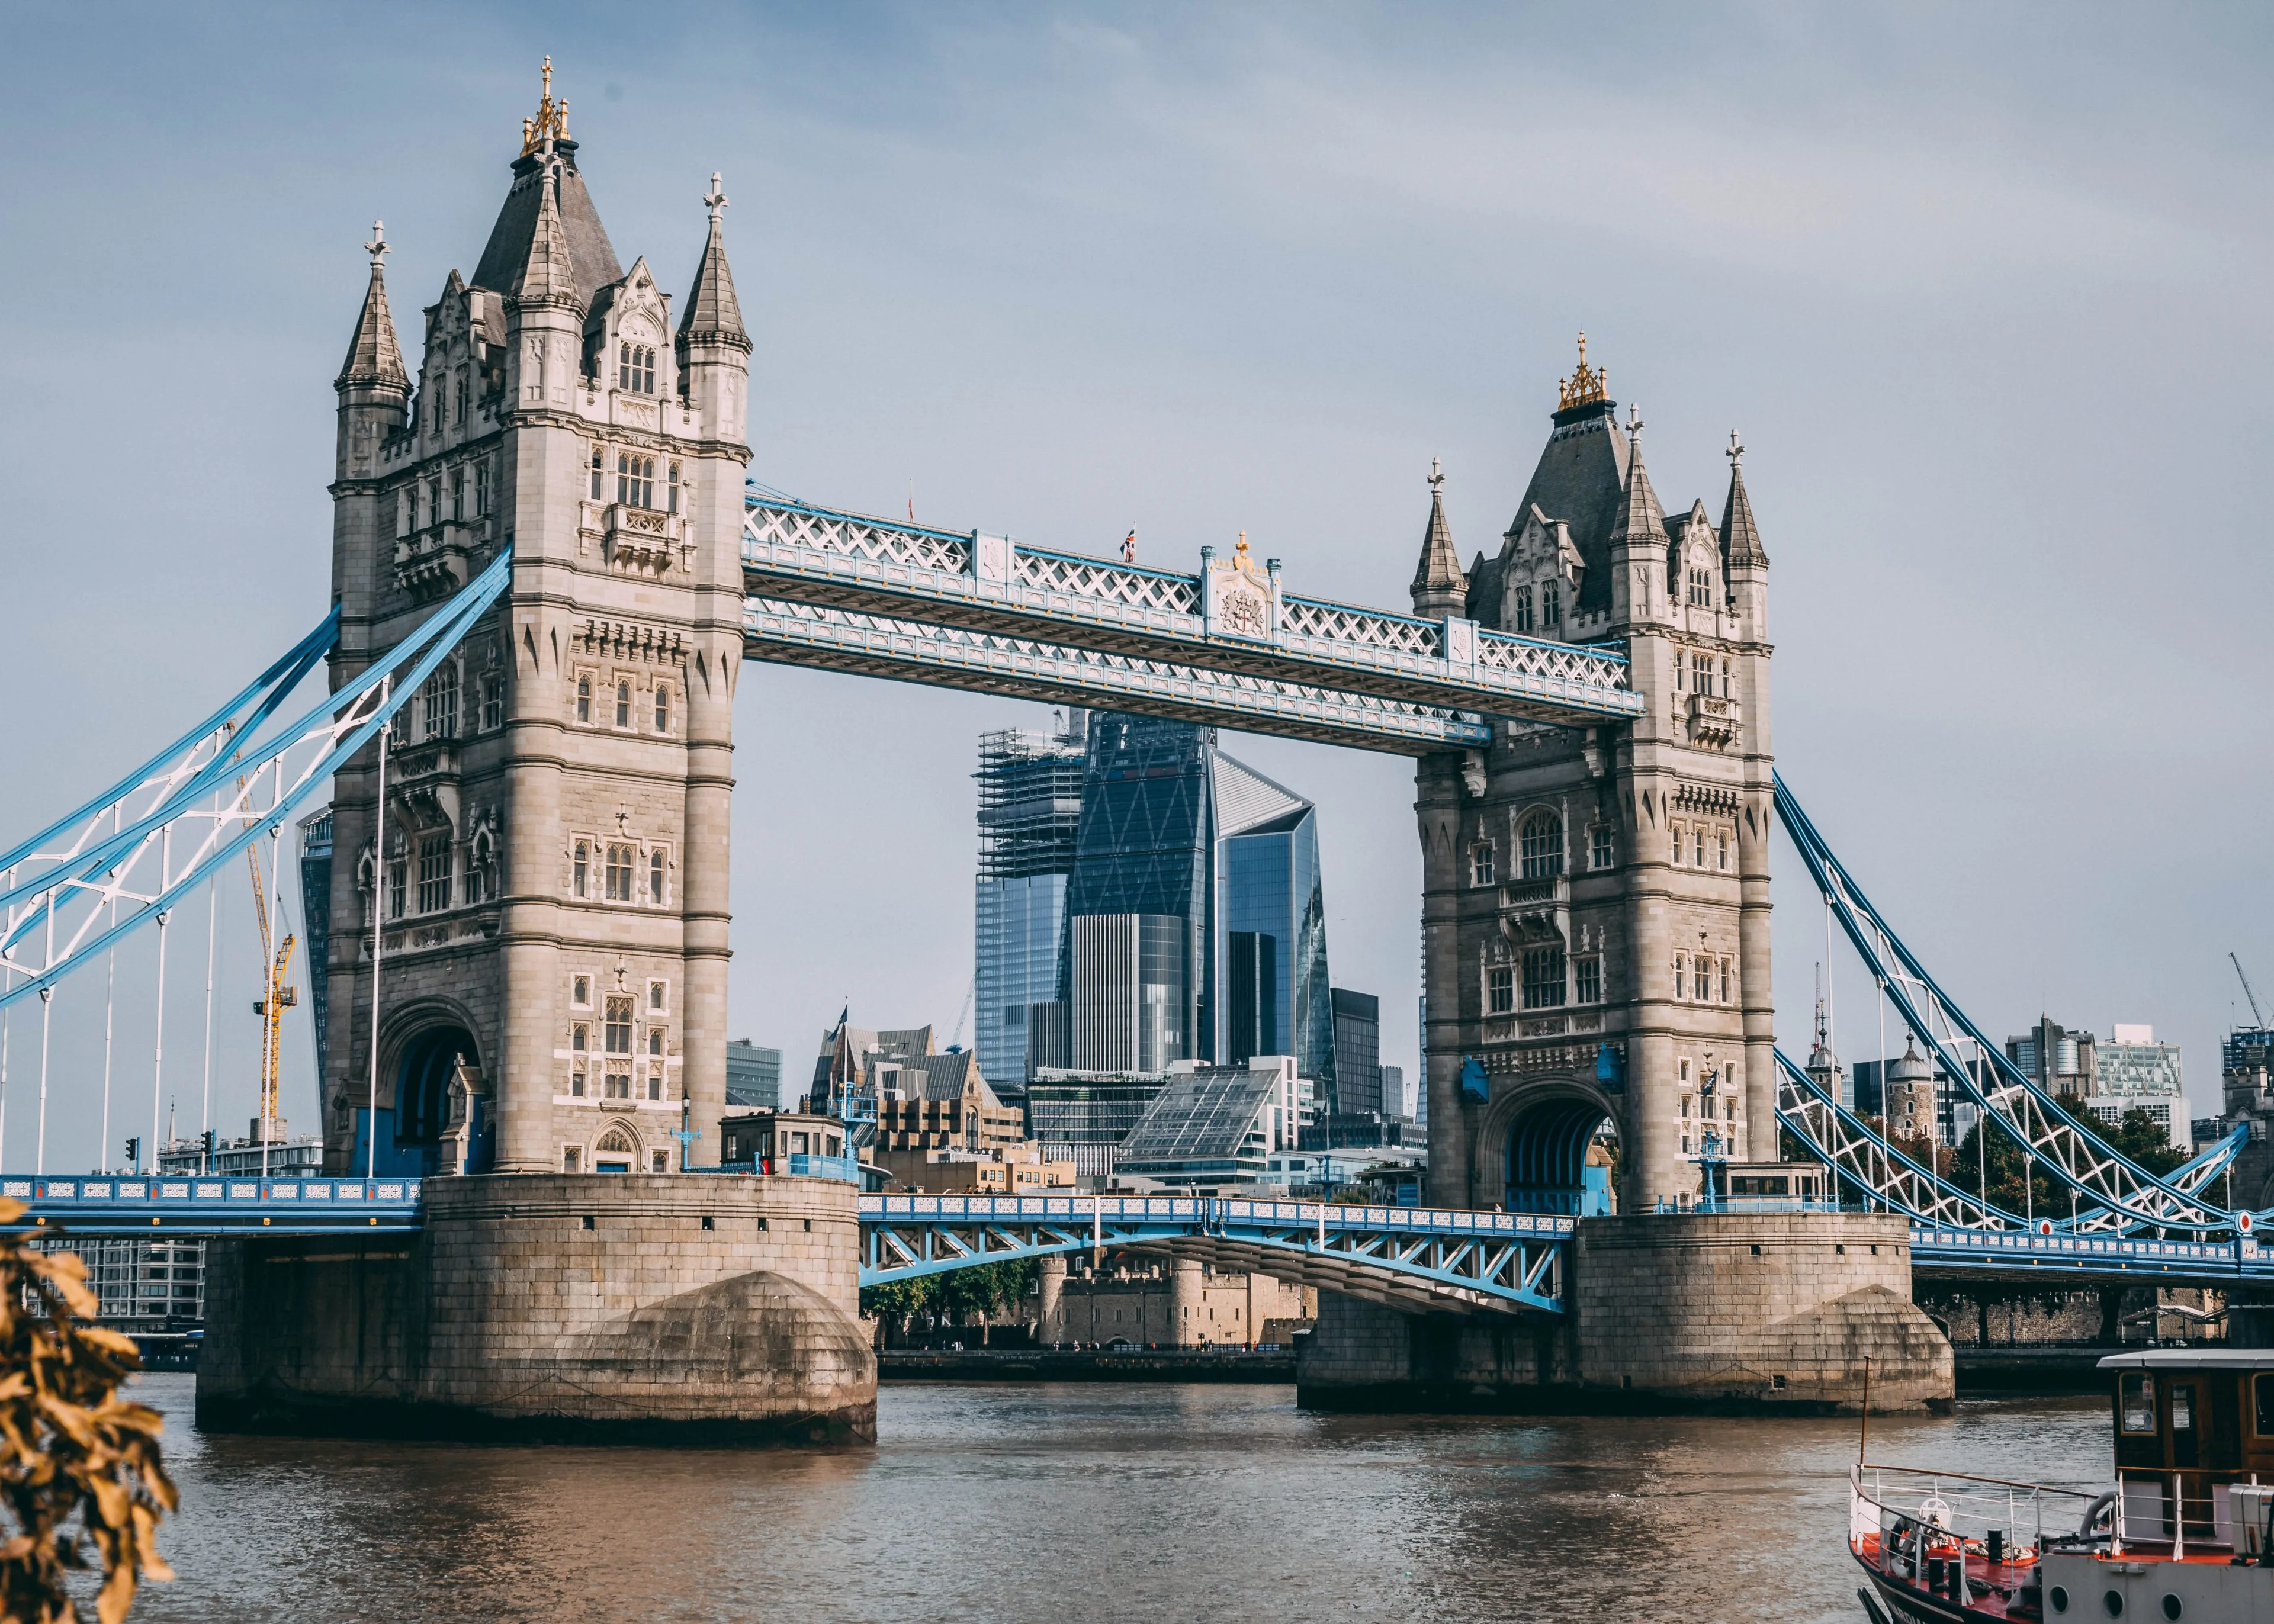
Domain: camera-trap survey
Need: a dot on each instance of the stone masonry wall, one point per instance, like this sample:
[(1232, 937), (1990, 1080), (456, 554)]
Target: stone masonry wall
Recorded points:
[(719, 1308), (1766, 1311)]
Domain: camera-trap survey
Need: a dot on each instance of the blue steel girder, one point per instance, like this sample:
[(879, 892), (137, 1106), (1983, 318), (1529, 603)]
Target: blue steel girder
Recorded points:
[(1232, 616), (1417, 1260), (200, 1206), (829, 639), (1939, 1251)]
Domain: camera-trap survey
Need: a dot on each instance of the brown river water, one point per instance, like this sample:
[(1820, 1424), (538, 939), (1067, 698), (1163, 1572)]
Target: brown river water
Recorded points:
[(1184, 1503)]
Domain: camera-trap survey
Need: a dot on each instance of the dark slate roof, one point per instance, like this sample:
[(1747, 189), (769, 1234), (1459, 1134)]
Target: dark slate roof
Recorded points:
[(589, 251), (1741, 540), (713, 313), (374, 357), (1580, 479)]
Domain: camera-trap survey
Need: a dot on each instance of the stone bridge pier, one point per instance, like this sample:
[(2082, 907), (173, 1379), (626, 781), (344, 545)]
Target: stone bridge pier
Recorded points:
[(642, 1308), (1768, 1313)]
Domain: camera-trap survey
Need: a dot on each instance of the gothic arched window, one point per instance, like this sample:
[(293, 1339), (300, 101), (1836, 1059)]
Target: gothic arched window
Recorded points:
[(1524, 608), (1551, 606), (636, 368), (1542, 845), (635, 480), (623, 704), (584, 699), (662, 708)]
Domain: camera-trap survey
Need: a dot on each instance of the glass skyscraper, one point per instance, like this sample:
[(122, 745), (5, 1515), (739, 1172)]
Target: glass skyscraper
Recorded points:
[(1172, 829), (1030, 798)]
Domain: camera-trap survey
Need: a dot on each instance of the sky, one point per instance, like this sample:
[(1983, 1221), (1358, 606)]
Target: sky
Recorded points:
[(1983, 286)]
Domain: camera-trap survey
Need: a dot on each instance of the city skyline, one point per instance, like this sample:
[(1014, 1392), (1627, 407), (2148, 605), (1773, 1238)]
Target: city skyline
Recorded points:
[(1851, 299)]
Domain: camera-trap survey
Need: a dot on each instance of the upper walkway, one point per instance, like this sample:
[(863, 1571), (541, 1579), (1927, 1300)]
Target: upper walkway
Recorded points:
[(1225, 644)]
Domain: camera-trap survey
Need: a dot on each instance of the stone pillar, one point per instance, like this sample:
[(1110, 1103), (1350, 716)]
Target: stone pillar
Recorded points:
[(1185, 1302), (1438, 805), (1049, 1325), (705, 846)]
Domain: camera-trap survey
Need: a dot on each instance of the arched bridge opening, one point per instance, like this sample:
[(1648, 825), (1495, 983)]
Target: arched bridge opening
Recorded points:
[(1561, 1155)]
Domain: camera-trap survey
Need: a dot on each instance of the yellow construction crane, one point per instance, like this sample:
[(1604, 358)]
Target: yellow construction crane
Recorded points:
[(280, 998)]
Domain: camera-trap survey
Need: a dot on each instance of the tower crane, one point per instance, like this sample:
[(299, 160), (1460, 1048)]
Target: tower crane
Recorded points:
[(2247, 993), (277, 995)]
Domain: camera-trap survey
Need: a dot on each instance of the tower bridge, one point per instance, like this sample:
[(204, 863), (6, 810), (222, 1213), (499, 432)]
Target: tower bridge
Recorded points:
[(549, 573)]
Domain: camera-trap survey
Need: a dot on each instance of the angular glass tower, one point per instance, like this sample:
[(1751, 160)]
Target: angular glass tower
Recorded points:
[(1270, 927), (1171, 827), (1030, 803)]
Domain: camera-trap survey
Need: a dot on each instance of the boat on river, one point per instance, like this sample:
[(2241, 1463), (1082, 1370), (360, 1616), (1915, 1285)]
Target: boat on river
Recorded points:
[(2185, 1531)]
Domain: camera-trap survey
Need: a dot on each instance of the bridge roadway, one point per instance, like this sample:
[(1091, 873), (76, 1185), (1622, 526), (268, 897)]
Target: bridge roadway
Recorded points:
[(1417, 1259)]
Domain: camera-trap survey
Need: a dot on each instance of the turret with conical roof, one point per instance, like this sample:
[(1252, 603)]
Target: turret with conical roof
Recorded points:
[(1638, 539), (1743, 558), (374, 359), (713, 348), (1440, 588)]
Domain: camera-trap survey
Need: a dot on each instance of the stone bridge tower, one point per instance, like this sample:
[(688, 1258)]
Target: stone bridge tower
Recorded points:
[(553, 870), (1596, 901)]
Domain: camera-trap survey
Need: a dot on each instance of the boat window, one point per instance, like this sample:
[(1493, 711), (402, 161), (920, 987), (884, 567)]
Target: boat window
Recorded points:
[(2262, 1394), (2139, 1404), (2183, 1402)]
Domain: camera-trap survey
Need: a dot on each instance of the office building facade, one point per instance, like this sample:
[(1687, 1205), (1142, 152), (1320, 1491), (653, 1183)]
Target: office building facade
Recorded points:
[(753, 1076), (1030, 797), (1358, 1056), (1130, 985)]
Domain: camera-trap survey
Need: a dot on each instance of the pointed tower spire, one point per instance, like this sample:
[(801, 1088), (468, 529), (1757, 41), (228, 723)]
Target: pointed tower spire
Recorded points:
[(714, 316), (1640, 517), (1439, 586), (373, 356), (546, 275), (1741, 541)]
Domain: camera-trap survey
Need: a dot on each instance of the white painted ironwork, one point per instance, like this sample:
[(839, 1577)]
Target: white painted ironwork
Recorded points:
[(1341, 623), (849, 535), (1102, 580), (814, 635), (794, 551)]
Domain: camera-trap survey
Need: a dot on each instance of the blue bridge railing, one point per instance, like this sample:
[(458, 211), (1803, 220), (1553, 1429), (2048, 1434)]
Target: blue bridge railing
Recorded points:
[(136, 1206)]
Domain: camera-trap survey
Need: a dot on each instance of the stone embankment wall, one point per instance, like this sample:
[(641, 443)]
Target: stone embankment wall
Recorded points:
[(1178, 1302), (1667, 1312), (647, 1307)]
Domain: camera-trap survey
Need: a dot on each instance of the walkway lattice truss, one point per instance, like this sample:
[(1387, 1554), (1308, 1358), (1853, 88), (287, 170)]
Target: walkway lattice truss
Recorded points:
[(978, 611)]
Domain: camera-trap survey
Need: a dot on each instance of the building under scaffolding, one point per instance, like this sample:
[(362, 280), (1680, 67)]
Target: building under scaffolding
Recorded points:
[(1029, 807)]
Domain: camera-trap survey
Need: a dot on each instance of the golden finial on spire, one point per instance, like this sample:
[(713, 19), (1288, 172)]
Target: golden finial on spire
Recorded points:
[(1586, 385), (1240, 552), (552, 121)]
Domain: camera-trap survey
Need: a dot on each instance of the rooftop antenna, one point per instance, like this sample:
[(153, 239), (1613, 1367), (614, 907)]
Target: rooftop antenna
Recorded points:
[(2247, 993)]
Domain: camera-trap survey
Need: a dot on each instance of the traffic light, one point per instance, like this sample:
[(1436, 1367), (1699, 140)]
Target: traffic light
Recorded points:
[(134, 1154), (206, 1141)]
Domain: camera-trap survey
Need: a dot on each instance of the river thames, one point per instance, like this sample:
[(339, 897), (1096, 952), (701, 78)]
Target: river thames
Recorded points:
[(1074, 1502)]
